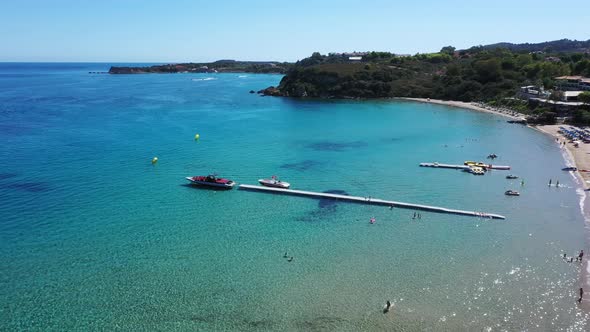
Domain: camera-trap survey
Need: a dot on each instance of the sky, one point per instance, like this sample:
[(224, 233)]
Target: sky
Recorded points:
[(201, 31)]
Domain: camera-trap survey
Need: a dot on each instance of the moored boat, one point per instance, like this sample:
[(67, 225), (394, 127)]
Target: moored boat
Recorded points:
[(511, 193), (474, 163), (511, 177), (569, 169), (211, 181), (274, 182), (476, 170), (486, 166)]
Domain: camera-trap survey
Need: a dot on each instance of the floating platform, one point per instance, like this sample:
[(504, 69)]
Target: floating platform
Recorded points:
[(370, 201), (487, 166), (439, 165)]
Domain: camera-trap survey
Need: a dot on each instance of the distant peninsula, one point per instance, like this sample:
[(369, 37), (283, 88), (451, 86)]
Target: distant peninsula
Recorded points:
[(221, 66)]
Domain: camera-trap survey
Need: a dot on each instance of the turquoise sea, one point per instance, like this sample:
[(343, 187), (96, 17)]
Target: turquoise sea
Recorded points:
[(95, 237)]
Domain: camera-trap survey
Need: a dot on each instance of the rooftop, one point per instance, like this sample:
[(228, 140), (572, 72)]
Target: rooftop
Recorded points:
[(574, 78), (571, 93)]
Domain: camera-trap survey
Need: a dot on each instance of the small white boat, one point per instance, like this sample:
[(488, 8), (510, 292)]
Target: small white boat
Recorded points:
[(511, 177), (512, 193), (274, 182)]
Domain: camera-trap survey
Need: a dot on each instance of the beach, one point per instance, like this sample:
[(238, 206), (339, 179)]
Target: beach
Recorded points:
[(472, 106), (580, 156)]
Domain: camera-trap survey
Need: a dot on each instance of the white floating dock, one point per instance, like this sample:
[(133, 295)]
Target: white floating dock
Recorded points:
[(371, 201), (438, 165), (488, 166)]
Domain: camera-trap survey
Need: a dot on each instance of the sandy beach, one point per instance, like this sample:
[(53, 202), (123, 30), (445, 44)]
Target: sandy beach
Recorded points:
[(472, 106), (580, 156)]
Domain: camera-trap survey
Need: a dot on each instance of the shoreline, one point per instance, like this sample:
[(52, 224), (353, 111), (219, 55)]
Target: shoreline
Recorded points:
[(461, 104), (577, 157)]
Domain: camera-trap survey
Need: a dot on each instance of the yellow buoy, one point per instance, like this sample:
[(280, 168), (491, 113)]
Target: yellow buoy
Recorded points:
[(197, 136), (155, 160)]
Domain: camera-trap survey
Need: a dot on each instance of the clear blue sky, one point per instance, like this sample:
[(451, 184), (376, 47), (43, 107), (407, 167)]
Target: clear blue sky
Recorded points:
[(182, 30)]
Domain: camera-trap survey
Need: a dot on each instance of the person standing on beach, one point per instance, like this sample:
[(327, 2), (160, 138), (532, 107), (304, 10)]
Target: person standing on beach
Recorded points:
[(580, 255), (581, 295), (549, 182)]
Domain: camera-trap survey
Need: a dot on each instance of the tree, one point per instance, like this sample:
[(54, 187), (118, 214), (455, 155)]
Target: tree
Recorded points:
[(450, 50), (584, 97), (488, 70), (524, 59), (556, 95)]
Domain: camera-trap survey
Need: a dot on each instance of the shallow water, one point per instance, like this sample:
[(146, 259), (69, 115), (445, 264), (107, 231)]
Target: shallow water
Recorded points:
[(92, 236)]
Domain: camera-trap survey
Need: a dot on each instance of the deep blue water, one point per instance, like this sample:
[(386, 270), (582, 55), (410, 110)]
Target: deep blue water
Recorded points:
[(95, 237)]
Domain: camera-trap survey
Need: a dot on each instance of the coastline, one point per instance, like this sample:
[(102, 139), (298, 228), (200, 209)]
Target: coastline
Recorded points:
[(462, 104), (577, 157)]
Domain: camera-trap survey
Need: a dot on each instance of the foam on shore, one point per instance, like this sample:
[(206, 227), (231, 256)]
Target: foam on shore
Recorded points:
[(568, 157)]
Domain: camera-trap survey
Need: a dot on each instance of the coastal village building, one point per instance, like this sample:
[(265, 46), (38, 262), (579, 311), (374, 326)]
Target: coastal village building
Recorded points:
[(571, 95), (569, 86), (531, 91), (572, 83), (552, 59), (351, 56)]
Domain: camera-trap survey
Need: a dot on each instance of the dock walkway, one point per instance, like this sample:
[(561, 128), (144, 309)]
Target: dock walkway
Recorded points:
[(370, 201), (486, 166), (439, 165)]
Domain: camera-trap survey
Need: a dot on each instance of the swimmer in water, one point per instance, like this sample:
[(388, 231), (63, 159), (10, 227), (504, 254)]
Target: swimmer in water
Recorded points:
[(290, 259), (387, 307), (372, 221)]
